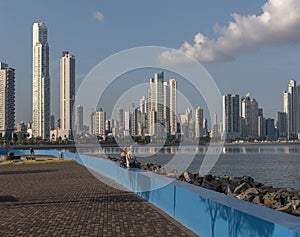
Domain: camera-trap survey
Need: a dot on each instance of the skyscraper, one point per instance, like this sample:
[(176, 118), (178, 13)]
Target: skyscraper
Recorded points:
[(291, 106), (67, 91), (40, 81), (250, 117), (281, 125), (79, 119), (261, 124), (167, 107), (270, 129), (198, 122), (216, 132), (173, 106), (7, 100), (155, 103), (99, 118), (231, 117)]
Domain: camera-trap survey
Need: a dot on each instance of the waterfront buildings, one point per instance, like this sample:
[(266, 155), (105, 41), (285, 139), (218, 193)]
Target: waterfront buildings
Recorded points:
[(261, 124), (270, 129), (79, 119), (67, 92), (40, 81), (98, 122), (198, 122), (291, 106), (173, 106), (231, 117), (249, 116), (282, 125), (161, 106), (7, 100)]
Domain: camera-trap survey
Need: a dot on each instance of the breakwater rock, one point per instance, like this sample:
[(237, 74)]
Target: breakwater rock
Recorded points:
[(244, 188)]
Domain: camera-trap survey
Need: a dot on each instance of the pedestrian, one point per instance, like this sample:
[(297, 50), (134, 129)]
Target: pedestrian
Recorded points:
[(31, 151), (131, 161), (123, 157)]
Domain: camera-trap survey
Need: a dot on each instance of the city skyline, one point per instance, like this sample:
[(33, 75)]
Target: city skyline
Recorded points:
[(269, 65)]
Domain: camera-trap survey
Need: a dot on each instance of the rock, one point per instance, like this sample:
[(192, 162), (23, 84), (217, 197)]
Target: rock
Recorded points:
[(251, 191), (188, 177), (208, 177), (195, 174), (198, 180), (258, 199), (287, 208), (296, 212), (246, 197), (247, 179), (241, 188), (230, 189), (270, 201), (235, 180)]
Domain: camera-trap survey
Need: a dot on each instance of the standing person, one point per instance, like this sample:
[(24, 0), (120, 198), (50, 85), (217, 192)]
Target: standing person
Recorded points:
[(31, 151), (131, 160), (123, 157)]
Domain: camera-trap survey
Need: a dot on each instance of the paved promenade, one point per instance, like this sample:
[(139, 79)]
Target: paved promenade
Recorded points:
[(65, 199)]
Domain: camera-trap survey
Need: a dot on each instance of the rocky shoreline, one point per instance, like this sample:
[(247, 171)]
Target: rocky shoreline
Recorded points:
[(244, 188)]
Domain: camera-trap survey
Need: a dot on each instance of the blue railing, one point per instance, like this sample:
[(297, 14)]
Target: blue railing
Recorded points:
[(207, 213)]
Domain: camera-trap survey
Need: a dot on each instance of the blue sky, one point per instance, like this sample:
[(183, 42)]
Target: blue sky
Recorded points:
[(93, 30)]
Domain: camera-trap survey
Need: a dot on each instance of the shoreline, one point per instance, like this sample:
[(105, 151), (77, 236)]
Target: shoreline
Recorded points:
[(73, 146)]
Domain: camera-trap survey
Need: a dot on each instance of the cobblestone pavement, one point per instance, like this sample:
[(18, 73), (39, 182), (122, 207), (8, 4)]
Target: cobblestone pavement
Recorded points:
[(64, 199)]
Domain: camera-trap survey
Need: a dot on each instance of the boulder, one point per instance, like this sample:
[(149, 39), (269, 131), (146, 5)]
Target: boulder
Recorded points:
[(251, 191), (270, 201), (258, 199), (287, 208), (241, 188), (188, 177), (198, 180)]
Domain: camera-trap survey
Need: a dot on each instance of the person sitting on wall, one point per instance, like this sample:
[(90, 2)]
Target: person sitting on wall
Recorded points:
[(131, 160), (123, 157)]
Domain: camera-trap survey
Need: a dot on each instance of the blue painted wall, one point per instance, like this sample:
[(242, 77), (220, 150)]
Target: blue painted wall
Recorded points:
[(207, 213)]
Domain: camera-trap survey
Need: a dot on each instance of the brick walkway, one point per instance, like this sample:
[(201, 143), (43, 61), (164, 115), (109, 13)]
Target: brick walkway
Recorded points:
[(64, 199)]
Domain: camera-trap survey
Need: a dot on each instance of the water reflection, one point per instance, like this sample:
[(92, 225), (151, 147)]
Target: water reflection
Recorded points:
[(238, 224), (188, 149)]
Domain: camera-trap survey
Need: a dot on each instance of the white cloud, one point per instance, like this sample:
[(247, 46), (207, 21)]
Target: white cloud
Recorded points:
[(278, 24), (98, 16)]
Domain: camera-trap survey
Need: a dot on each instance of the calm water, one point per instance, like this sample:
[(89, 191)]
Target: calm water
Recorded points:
[(276, 165)]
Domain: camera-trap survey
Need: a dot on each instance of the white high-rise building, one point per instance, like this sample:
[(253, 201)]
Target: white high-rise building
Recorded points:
[(67, 91), (40, 81), (173, 106), (291, 106), (7, 100), (127, 123), (199, 122), (99, 118), (155, 102), (167, 107)]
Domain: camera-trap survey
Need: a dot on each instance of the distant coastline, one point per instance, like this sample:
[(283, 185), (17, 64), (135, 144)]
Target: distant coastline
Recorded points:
[(62, 146)]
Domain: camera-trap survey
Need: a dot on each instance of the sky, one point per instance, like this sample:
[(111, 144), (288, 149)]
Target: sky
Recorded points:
[(246, 46)]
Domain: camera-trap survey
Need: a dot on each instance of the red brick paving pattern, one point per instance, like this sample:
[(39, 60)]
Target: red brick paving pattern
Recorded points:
[(64, 199)]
